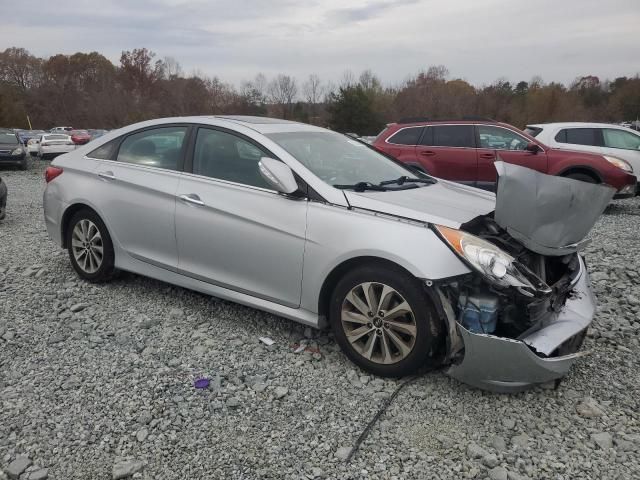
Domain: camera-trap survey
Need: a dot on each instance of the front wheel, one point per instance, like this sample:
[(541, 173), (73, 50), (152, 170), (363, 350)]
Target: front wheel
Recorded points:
[(90, 247), (583, 177), (384, 321)]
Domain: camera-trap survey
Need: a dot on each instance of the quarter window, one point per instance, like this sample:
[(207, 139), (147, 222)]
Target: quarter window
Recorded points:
[(225, 156), (406, 136), (158, 147), (577, 136), (614, 138), (105, 152), (453, 136), (500, 138)]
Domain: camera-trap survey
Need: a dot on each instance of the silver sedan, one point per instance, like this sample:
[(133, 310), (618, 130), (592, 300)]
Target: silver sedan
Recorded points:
[(407, 270)]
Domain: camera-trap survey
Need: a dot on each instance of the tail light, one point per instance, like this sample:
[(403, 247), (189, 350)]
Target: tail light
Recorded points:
[(52, 172)]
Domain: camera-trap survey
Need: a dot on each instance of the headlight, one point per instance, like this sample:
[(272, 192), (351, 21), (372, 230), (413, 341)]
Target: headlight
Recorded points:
[(496, 265), (618, 162), (17, 151)]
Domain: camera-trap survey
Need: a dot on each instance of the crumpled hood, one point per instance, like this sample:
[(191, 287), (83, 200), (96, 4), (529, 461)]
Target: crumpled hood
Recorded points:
[(547, 214), (443, 203)]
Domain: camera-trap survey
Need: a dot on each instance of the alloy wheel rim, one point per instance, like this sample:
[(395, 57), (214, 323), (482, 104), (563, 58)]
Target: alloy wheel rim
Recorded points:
[(378, 323), (86, 245)]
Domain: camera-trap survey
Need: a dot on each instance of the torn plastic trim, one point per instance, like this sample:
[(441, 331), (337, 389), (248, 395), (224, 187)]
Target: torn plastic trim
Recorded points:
[(504, 364), (549, 215)]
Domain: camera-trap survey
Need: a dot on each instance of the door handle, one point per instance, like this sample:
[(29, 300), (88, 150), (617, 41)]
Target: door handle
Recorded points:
[(427, 153), (192, 198), (108, 175), (487, 155)]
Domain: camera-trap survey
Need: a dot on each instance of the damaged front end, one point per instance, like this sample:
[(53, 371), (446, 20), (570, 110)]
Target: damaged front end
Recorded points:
[(520, 317)]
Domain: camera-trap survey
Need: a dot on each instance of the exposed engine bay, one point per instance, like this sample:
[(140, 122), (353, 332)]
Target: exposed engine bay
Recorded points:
[(483, 307)]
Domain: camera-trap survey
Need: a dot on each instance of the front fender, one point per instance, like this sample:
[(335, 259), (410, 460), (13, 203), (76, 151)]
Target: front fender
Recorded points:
[(336, 235)]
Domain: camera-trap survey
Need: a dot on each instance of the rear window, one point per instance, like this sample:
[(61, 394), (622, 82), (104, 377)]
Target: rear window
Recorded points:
[(533, 131), (453, 136), (577, 136), (406, 136), (56, 137)]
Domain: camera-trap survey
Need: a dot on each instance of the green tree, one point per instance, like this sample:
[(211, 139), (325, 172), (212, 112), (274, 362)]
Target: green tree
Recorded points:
[(351, 110)]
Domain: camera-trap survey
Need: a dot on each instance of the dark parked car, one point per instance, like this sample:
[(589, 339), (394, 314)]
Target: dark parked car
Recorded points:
[(3, 199), (465, 151), (11, 150), (26, 135)]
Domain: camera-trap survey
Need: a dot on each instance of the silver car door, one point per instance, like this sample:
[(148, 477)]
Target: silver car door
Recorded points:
[(232, 229), (137, 193)]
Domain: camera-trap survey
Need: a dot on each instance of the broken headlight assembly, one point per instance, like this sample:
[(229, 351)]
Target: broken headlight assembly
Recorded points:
[(497, 267)]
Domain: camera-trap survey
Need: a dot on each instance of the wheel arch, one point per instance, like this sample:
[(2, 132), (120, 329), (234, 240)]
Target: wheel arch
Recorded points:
[(339, 271), (68, 214), (584, 169)]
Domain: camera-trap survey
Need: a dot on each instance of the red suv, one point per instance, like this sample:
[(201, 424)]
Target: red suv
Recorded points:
[(464, 151)]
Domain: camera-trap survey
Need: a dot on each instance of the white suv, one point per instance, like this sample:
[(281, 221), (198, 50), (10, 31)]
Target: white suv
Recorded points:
[(602, 138)]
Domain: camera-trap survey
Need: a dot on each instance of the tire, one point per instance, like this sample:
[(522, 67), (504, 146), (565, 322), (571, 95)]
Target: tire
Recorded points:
[(90, 266), (386, 358), (583, 177)]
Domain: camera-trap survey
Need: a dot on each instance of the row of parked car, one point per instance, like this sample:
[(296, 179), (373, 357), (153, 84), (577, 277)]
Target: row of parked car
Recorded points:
[(17, 145), (465, 150)]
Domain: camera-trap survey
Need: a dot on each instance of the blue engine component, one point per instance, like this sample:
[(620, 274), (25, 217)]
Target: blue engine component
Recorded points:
[(478, 312)]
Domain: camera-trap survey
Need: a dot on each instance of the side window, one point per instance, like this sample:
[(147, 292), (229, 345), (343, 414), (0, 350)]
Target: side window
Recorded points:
[(406, 136), (158, 147), (106, 151), (227, 157), (500, 138), (614, 138), (453, 136), (577, 136)]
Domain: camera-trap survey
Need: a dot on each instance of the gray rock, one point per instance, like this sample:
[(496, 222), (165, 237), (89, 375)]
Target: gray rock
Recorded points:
[(142, 434), (78, 307), (498, 443), (343, 453), (280, 392), (40, 474), (316, 472), (124, 468), (490, 460), (521, 441), (476, 451), (19, 465), (509, 423), (233, 402), (603, 439), (176, 313), (589, 408), (498, 473)]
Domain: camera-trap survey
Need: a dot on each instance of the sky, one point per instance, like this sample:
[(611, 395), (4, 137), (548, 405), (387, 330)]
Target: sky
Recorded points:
[(477, 40)]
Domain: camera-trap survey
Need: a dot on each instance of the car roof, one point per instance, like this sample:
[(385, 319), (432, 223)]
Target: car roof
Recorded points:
[(577, 125)]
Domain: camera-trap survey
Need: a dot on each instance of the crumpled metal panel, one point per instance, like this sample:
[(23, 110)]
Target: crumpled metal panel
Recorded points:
[(547, 214), (507, 365)]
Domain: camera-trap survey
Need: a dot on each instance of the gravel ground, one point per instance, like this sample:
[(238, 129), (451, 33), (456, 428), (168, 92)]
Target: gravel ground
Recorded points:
[(97, 382)]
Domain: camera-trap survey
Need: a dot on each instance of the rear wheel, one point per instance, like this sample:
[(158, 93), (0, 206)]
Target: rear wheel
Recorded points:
[(383, 321), (90, 247), (583, 177)]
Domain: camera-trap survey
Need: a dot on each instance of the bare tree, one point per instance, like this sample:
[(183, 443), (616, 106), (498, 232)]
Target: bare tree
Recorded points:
[(313, 89), (172, 68), (348, 79), (282, 93), (18, 67)]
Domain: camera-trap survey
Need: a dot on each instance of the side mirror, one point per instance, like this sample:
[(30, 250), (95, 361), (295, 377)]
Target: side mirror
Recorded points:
[(278, 175), (532, 147)]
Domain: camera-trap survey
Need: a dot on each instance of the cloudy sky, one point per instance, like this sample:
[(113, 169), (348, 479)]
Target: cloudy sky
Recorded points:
[(478, 40)]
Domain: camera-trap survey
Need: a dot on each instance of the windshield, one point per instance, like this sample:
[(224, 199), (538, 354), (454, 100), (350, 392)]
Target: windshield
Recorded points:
[(337, 159), (8, 138)]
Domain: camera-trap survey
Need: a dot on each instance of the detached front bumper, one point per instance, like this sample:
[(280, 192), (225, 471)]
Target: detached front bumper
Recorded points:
[(511, 365)]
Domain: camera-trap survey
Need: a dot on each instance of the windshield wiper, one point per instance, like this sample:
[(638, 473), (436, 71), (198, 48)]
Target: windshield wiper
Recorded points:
[(362, 186), (404, 179)]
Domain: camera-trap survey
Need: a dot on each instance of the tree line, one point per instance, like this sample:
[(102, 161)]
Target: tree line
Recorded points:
[(86, 90)]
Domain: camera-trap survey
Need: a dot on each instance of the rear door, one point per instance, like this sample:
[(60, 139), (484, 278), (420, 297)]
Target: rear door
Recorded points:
[(448, 151), (584, 139), (233, 229), (500, 143), (402, 144), (138, 180)]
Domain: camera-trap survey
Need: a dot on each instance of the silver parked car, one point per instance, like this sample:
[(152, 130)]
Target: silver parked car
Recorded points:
[(322, 229)]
